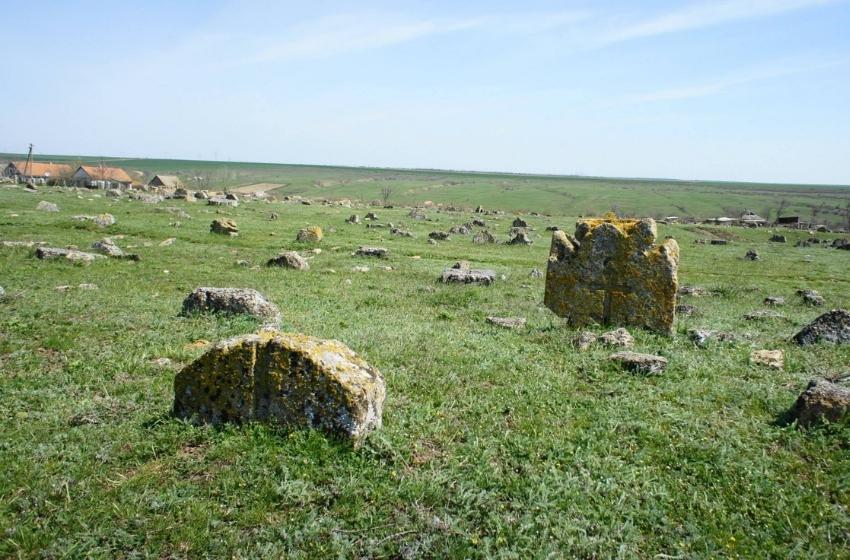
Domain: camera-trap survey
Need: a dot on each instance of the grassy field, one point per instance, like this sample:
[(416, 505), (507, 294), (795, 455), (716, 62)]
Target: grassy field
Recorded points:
[(557, 195), (496, 443)]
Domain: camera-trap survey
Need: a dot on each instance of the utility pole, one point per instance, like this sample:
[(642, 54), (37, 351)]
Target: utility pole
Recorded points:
[(28, 166)]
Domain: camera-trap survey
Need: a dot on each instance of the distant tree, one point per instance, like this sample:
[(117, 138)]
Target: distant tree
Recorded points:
[(386, 194)]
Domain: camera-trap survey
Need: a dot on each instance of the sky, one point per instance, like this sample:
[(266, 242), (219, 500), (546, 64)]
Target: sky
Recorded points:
[(749, 90)]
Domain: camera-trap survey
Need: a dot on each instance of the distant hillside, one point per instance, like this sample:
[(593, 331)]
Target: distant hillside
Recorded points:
[(511, 192)]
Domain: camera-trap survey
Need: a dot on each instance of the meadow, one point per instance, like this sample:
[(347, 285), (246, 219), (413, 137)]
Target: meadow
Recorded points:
[(496, 443), (563, 195)]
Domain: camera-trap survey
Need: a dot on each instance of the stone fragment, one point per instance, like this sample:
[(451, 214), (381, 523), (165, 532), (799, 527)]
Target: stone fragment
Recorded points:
[(69, 254), (821, 401), (107, 246), (619, 337), (468, 276), (774, 301), (103, 220), (483, 238), (811, 297), (774, 359), (439, 236), (310, 234), (45, 206), (274, 216), (685, 309), (459, 230), (371, 216), (401, 232), (231, 301), (167, 242), (752, 255), (360, 269), (289, 259), (833, 326), (777, 238), (695, 291), (612, 272), (519, 238), (379, 252), (353, 219), (519, 223), (224, 226), (507, 322), (763, 316), (479, 222), (462, 265), (535, 273), (292, 380), (719, 242), (584, 341), (640, 363), (222, 201)]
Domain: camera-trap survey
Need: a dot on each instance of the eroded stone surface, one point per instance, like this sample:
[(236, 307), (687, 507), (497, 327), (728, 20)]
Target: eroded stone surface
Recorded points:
[(292, 380), (833, 326), (507, 322), (47, 206), (483, 237), (310, 234), (379, 252), (467, 276), (232, 301), (224, 226), (769, 358), (69, 254), (289, 259), (612, 272), (822, 400), (641, 363)]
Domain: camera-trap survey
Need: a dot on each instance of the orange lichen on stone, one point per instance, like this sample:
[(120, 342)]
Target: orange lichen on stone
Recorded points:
[(288, 379), (611, 272)]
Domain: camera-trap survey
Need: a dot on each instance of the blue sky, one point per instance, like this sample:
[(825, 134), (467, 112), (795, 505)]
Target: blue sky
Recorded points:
[(727, 89)]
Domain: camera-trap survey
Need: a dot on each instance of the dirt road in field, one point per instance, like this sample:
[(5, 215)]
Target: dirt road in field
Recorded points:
[(256, 187)]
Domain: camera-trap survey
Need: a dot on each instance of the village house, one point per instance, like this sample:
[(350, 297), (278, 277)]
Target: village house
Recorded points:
[(38, 173), (100, 177), (751, 219), (167, 181)]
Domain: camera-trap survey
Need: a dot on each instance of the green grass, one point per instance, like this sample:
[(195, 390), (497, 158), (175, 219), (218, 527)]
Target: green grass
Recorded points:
[(495, 443), (825, 204)]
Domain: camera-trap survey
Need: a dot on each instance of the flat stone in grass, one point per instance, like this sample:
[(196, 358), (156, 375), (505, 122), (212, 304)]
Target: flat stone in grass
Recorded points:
[(519, 238), (774, 301), (701, 337), (640, 363), (310, 234), (685, 309), (619, 337), (107, 246), (752, 255), (774, 359), (103, 220), (379, 252), (231, 301), (291, 380), (224, 226), (822, 400), (468, 276), (811, 297), (763, 316), (507, 322), (400, 232), (833, 326), (72, 255), (289, 259), (45, 206), (371, 216), (222, 201)]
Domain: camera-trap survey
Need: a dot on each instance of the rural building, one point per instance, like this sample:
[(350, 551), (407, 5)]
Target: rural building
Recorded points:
[(722, 221), (751, 219), (37, 172), (99, 177), (790, 221), (167, 181)]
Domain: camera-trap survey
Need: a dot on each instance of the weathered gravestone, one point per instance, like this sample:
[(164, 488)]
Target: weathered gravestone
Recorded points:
[(612, 272), (292, 380)]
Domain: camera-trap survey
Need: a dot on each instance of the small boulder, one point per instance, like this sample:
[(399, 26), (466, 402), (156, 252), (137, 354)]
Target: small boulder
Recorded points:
[(584, 341), (811, 297), (310, 234), (479, 222), (777, 238), (231, 301), (222, 201), (774, 301), (401, 232), (619, 337), (833, 327), (763, 316), (72, 255), (353, 219), (224, 226), (379, 252), (640, 363), (774, 359), (289, 259), (535, 273), (519, 223), (685, 309), (752, 255), (821, 401), (719, 242), (468, 276), (459, 230), (291, 380), (439, 236), (45, 206), (483, 238), (519, 238), (107, 246), (371, 216)]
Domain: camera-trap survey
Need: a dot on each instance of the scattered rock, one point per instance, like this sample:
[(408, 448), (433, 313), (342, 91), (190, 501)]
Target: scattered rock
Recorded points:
[(224, 226), (468, 276), (310, 234), (353, 219), (69, 254), (47, 206), (289, 259), (232, 301), (821, 401), (439, 236), (401, 232), (479, 222), (774, 359), (292, 380), (519, 223), (88, 286), (774, 301), (584, 341), (612, 272), (273, 216), (459, 230), (167, 242), (519, 238), (107, 246), (507, 322), (462, 265), (686, 310), (752, 255), (371, 216), (719, 242), (695, 291), (483, 238), (161, 362), (222, 201), (535, 273), (379, 252), (811, 297), (763, 316), (2, 293), (640, 363), (777, 238), (103, 220), (619, 337), (833, 326)]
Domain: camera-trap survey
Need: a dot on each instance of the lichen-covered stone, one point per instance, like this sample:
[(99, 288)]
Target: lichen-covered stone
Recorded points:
[(811, 297), (380, 252), (291, 380), (310, 234), (439, 236), (612, 272), (69, 254), (224, 226), (232, 301), (833, 326), (619, 337), (467, 276), (640, 363), (289, 259), (822, 400), (769, 358), (109, 248), (519, 237), (483, 237)]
